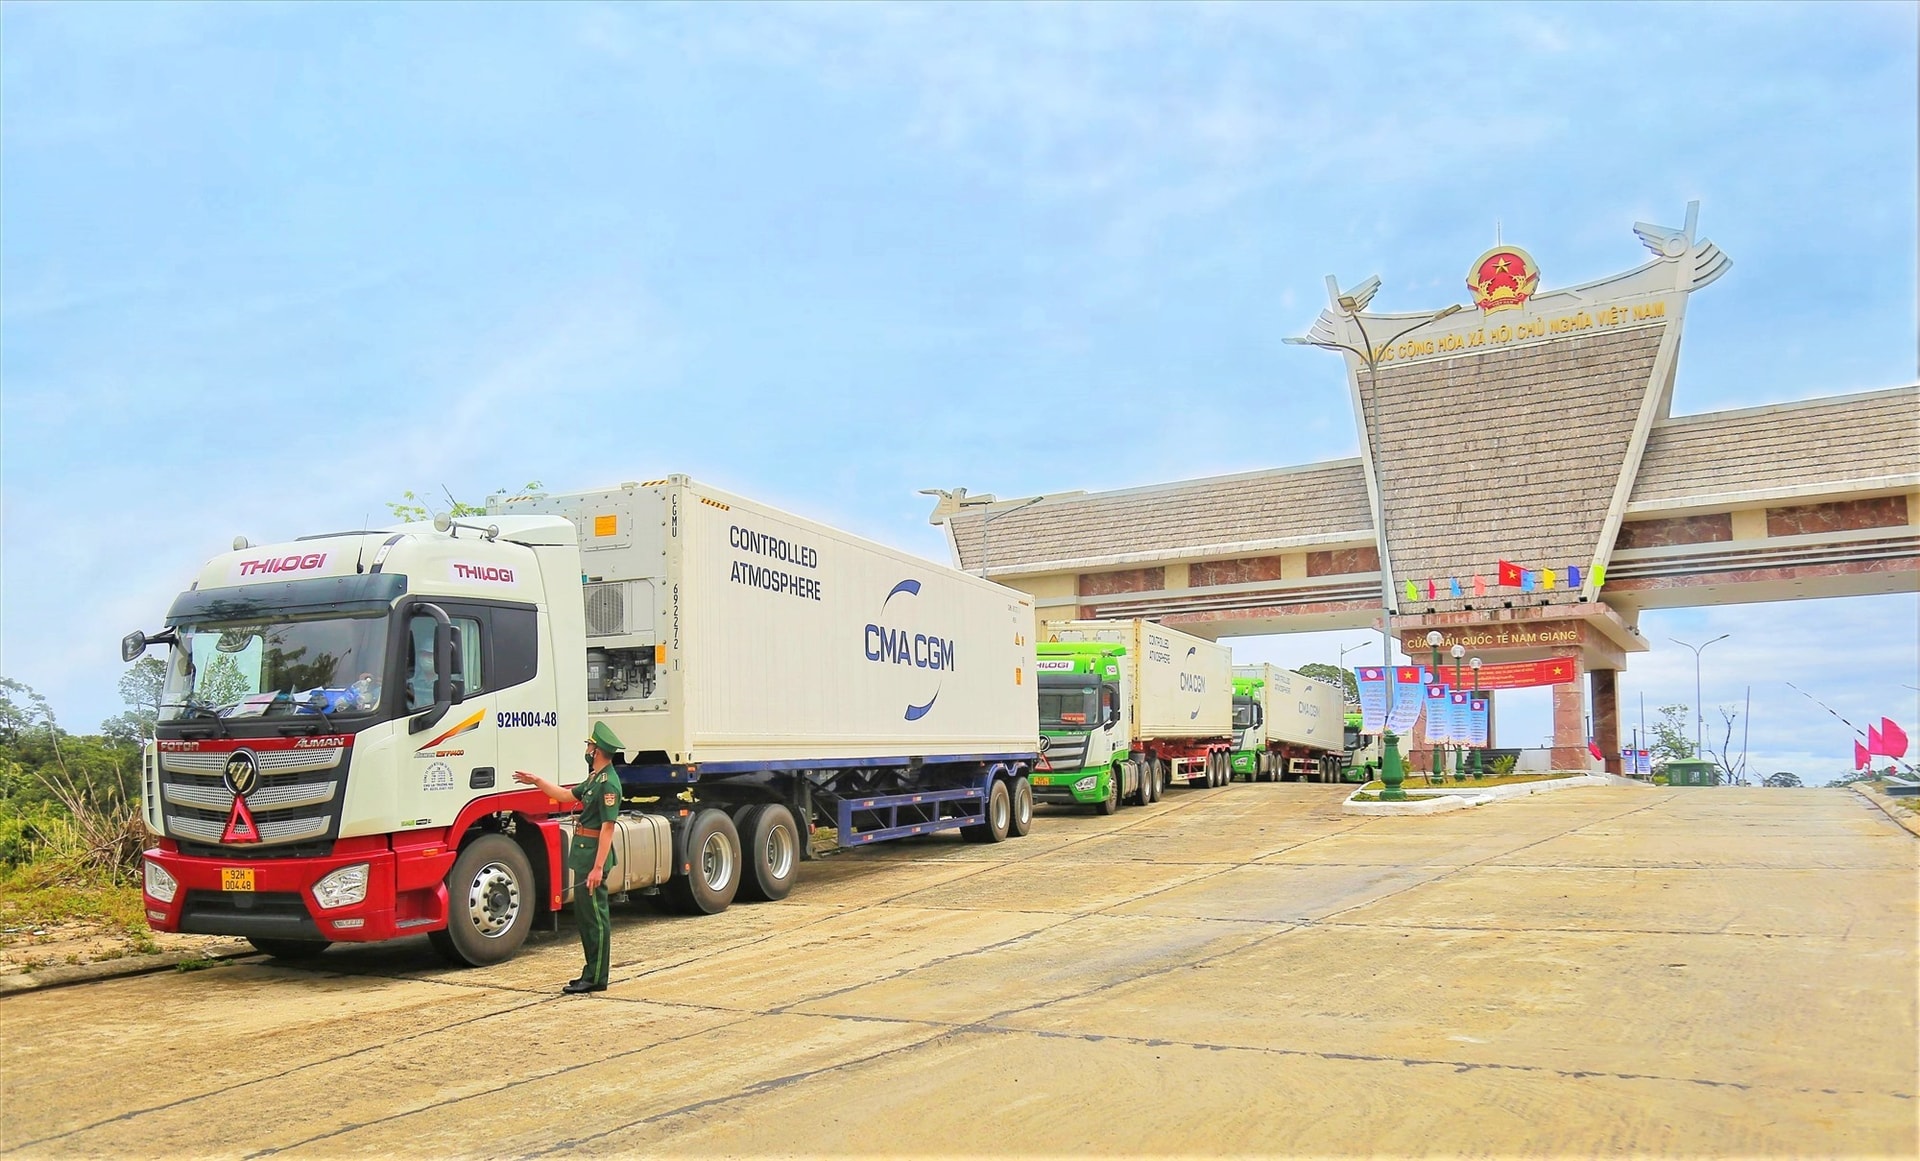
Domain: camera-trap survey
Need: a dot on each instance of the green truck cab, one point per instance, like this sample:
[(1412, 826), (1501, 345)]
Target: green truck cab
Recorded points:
[(1085, 735), (1250, 761)]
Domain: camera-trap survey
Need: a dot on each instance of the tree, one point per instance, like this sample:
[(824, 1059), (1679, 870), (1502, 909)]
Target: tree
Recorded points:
[(1783, 778), (1333, 675), (1734, 766), (1672, 739), (140, 687), (413, 509)]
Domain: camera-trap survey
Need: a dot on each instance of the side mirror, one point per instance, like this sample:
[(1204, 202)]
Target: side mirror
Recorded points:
[(132, 646), (446, 650)]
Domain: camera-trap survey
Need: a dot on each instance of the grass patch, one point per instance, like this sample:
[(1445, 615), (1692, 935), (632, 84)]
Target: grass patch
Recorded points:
[(1371, 791), (48, 892)]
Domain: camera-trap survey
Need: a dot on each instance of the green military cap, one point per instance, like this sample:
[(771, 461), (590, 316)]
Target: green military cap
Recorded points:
[(603, 737)]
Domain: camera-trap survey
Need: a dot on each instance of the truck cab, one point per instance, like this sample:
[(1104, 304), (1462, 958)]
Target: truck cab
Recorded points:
[(340, 721), (1250, 758), (1085, 728)]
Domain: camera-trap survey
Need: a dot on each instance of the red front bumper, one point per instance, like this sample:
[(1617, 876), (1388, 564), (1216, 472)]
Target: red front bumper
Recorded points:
[(405, 893)]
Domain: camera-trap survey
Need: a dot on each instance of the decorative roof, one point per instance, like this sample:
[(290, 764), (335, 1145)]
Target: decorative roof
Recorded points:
[(1843, 444), (1314, 505)]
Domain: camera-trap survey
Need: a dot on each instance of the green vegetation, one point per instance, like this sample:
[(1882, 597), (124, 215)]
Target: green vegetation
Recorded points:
[(1415, 783), (1333, 675), (69, 804)]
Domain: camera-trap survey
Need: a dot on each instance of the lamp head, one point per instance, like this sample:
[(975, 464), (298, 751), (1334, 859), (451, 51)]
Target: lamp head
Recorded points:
[(1475, 662), (1458, 651), (1434, 638)]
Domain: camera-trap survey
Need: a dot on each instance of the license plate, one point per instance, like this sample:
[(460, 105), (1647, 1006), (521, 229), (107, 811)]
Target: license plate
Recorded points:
[(236, 879), (1042, 780)]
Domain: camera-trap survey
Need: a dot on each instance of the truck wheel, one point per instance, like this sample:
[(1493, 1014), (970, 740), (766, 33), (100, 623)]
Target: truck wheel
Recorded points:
[(1138, 795), (771, 843), (490, 903), (1111, 803), (288, 948), (1162, 780), (713, 857), (1022, 807), (1149, 782)]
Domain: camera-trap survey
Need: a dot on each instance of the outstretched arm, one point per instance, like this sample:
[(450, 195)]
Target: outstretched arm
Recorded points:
[(553, 790)]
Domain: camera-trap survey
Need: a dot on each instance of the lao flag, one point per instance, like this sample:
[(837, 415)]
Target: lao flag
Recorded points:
[(1875, 743), (1893, 739), (1861, 759), (1510, 575)]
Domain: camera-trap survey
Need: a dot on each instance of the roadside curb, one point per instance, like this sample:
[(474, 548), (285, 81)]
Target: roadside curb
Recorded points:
[(1437, 802), (1906, 818), (109, 969)]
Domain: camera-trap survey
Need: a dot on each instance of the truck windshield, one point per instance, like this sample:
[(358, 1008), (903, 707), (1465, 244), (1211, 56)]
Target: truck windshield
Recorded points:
[(329, 664), (1069, 702), (1243, 715)]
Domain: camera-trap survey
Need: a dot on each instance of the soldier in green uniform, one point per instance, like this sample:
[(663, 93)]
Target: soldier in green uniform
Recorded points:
[(590, 854)]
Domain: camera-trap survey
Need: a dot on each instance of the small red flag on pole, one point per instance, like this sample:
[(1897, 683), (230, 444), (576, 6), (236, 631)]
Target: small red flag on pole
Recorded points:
[(1893, 739), (1875, 743), (1860, 758)]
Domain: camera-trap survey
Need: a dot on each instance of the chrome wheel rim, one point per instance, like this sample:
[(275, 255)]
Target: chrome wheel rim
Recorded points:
[(493, 900), (1002, 811), (716, 861), (779, 853)]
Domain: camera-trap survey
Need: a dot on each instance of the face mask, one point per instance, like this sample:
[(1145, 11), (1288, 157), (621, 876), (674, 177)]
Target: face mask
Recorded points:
[(588, 758)]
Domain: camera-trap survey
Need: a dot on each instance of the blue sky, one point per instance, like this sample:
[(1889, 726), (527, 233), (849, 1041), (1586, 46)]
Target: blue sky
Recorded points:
[(264, 267)]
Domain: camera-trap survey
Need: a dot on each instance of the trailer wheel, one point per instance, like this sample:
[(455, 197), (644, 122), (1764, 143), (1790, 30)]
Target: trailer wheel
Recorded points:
[(713, 857), (1162, 777), (771, 843), (490, 903), (1022, 807), (288, 948)]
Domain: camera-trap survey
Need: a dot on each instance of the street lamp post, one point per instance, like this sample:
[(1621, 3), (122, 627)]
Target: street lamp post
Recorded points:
[(1475, 662), (1392, 775), (1459, 744), (1433, 643), (1699, 714)]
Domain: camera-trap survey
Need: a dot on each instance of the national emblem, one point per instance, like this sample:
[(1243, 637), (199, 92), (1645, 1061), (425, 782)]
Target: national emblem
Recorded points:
[(1503, 278)]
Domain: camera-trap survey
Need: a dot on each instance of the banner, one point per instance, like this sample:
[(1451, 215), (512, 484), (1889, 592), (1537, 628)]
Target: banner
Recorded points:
[(1439, 716), (1477, 721), (1458, 728), (1645, 761), (1409, 682), (1373, 698), (1517, 674)]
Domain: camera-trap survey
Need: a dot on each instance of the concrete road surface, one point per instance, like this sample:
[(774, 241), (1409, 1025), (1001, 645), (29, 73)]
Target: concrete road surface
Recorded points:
[(1597, 971)]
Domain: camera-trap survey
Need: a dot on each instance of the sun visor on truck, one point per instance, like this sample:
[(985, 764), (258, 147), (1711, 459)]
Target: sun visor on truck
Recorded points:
[(363, 593)]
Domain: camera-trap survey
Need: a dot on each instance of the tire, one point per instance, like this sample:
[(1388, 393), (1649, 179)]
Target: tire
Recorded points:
[(1022, 822), (1162, 780), (1111, 803), (999, 823), (490, 903), (713, 860), (1139, 795), (289, 949), (770, 843), (1149, 782)]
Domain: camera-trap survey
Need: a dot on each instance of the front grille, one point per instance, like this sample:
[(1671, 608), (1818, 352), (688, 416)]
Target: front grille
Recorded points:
[(1063, 753), (298, 799), (313, 850), (273, 914)]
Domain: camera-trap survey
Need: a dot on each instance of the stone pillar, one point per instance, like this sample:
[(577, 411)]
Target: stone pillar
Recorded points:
[(1569, 722), (1606, 716)]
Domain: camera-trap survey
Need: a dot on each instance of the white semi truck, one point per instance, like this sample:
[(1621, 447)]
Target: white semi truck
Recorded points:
[(1287, 726), (1127, 708), (344, 713)]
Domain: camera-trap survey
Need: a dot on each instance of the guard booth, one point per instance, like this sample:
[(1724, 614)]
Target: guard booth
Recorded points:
[(1693, 772)]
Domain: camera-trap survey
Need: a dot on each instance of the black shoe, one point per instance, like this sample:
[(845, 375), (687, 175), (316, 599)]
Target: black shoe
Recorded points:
[(578, 987)]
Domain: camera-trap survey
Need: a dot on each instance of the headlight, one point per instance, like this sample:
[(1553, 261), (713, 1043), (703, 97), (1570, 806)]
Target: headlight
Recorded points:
[(343, 887), (160, 885), (1086, 785)]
